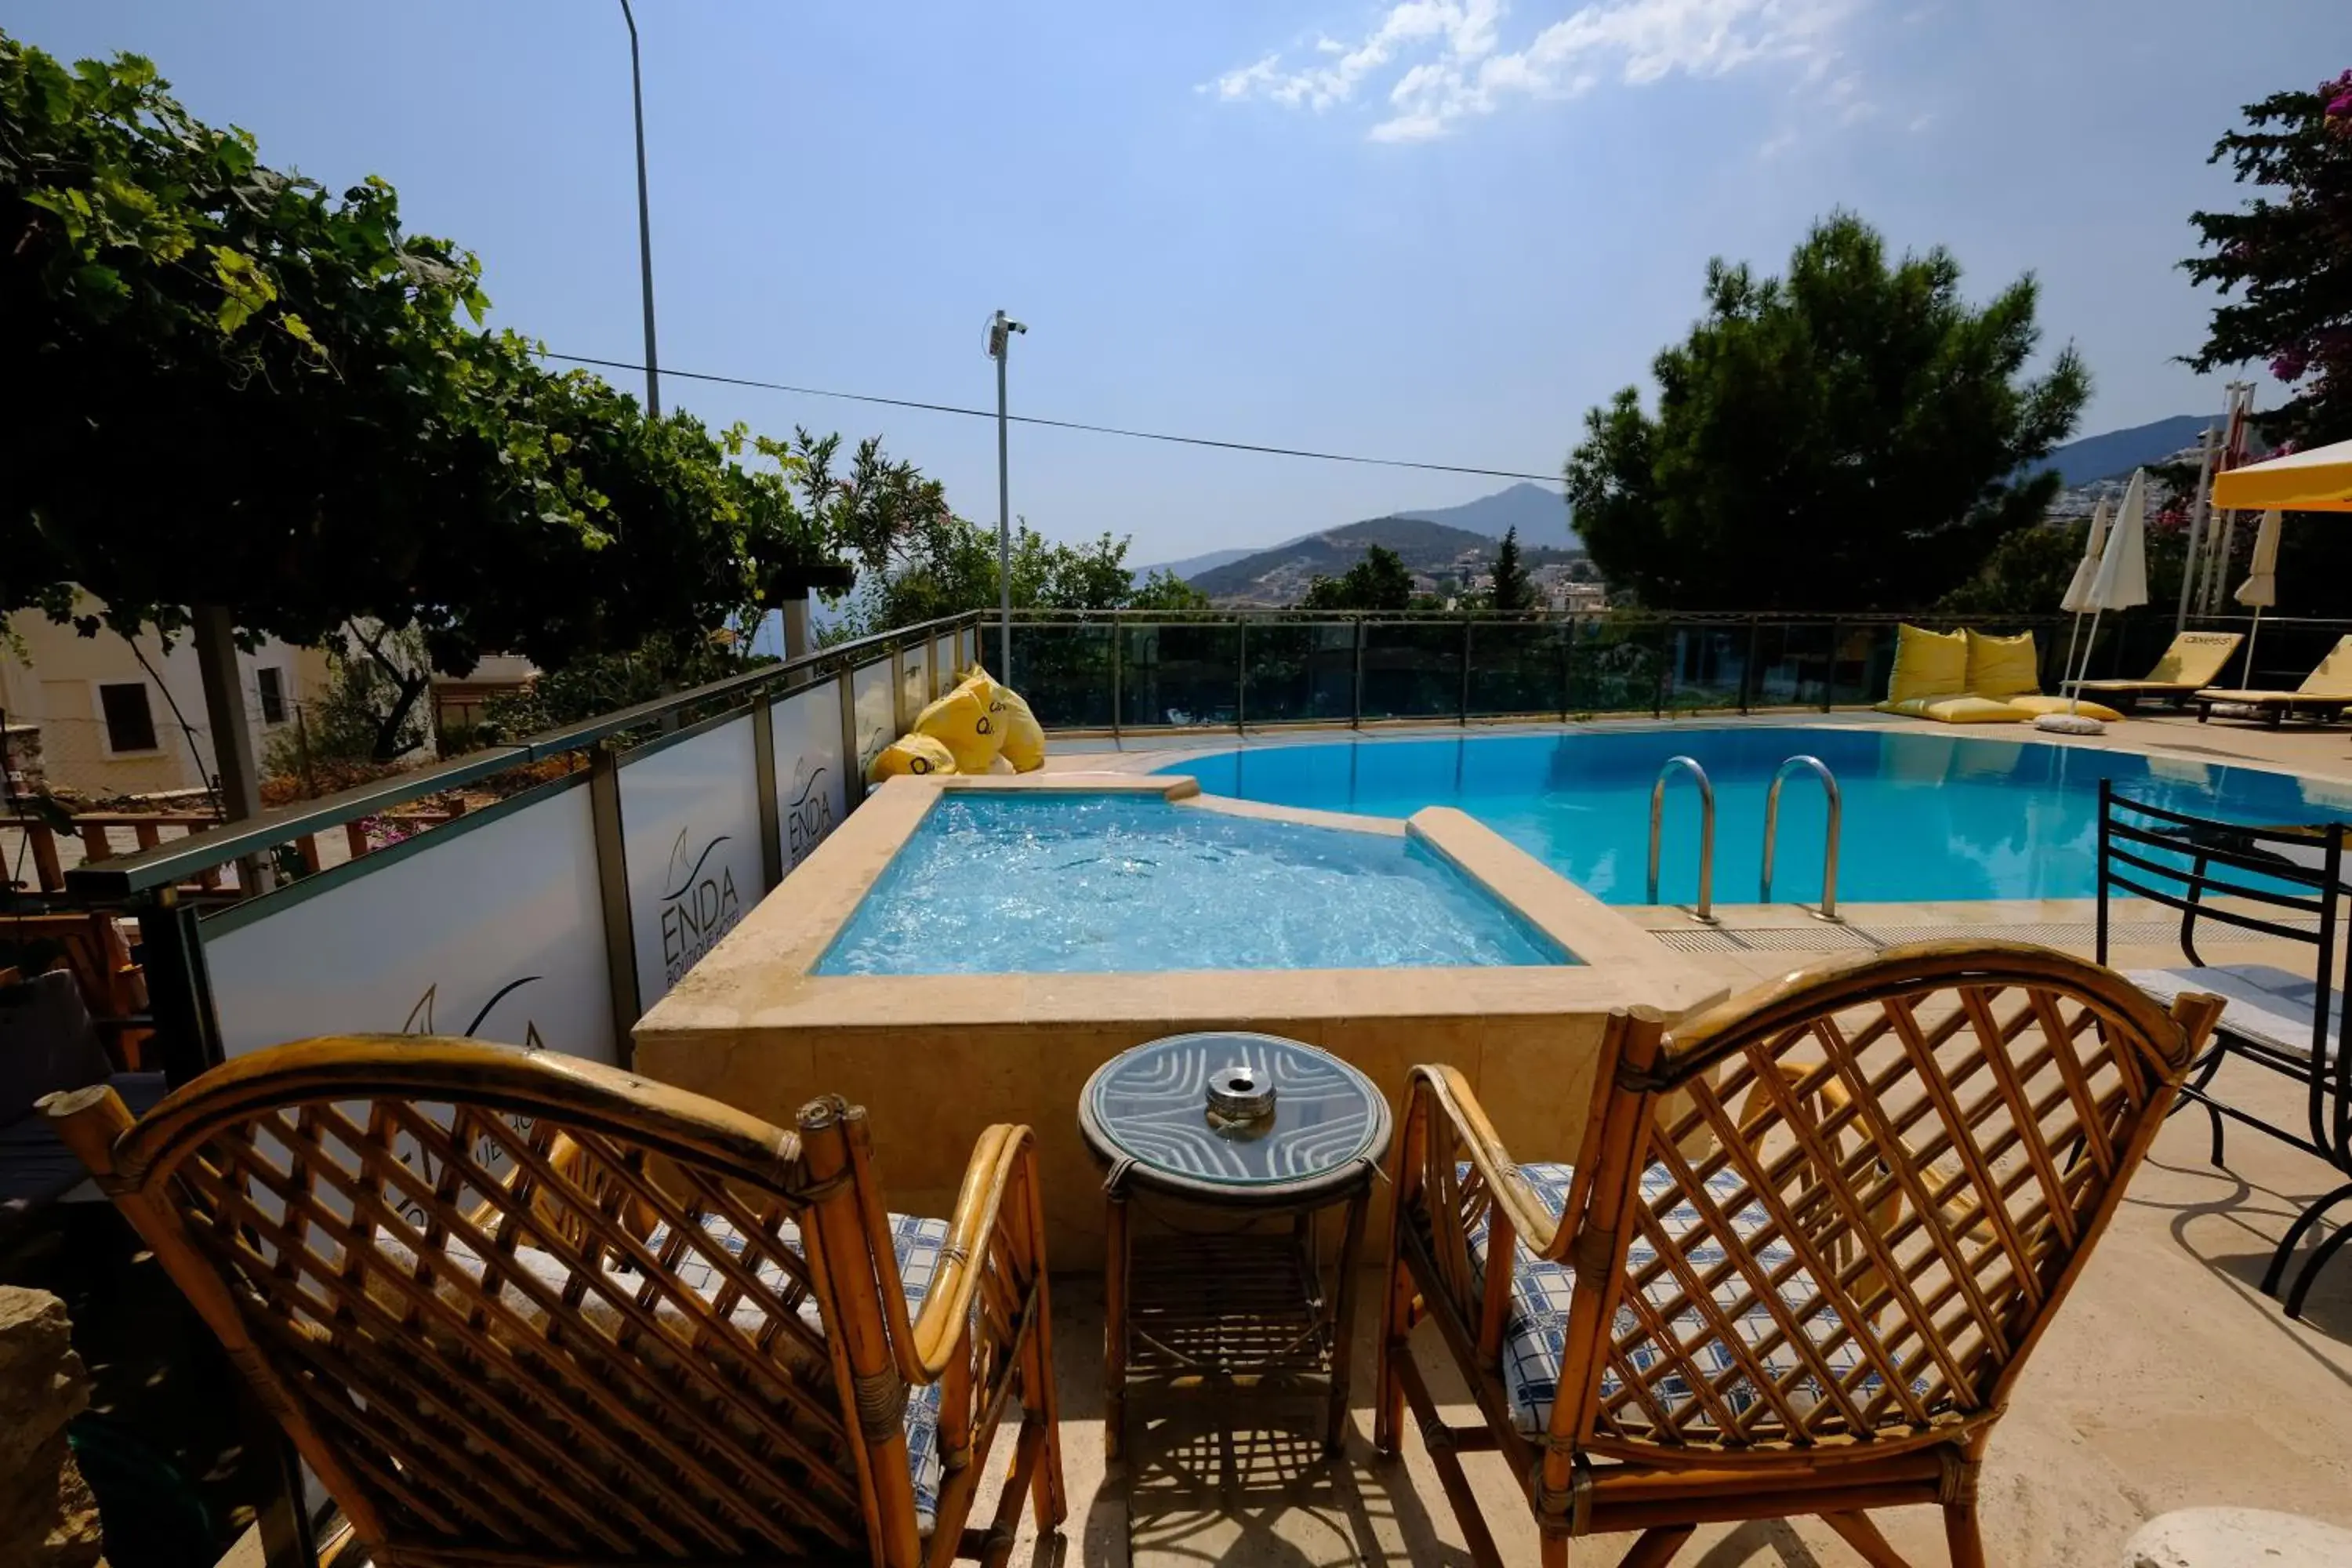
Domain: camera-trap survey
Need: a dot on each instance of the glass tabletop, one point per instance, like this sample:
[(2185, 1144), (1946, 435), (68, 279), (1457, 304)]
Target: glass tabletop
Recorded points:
[(1150, 1105)]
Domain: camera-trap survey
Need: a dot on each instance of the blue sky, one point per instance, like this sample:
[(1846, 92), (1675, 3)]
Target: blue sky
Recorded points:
[(1430, 230)]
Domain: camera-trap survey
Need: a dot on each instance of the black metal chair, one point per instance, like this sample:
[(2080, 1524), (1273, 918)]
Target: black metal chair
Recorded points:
[(2284, 881)]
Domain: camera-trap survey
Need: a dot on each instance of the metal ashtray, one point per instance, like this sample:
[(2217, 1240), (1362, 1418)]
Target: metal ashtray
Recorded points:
[(1240, 1094)]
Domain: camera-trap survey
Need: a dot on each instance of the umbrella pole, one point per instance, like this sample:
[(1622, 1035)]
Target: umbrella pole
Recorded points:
[(2066, 667), (2250, 646), (2093, 643)]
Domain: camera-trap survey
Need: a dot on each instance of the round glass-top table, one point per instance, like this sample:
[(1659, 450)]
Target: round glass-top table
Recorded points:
[(1145, 1113), (1203, 1303)]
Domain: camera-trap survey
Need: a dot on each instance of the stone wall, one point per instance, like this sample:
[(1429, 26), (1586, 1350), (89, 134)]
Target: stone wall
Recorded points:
[(48, 1518)]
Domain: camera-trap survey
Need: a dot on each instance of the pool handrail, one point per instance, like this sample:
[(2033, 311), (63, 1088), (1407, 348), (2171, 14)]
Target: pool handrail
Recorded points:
[(1828, 911), (1704, 913)]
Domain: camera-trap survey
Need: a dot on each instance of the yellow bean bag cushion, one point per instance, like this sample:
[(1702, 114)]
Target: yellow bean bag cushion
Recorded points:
[(980, 673), (962, 723), (2037, 705), (1927, 664), (911, 754), (1024, 738), (2001, 667), (1958, 709)]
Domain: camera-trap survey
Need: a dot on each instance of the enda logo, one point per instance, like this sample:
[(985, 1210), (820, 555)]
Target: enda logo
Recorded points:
[(808, 815), (700, 906)]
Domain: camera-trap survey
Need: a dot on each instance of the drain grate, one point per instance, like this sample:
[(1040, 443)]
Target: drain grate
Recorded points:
[(1820, 936)]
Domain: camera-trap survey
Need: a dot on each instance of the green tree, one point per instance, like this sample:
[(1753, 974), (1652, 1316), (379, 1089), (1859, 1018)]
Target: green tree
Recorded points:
[(1379, 582), (1854, 435), (1513, 591), (262, 398), (2287, 261), (946, 565), (1163, 590), (2283, 261)]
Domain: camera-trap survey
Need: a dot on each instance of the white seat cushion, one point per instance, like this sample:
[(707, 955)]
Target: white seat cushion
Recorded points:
[(2271, 1006), (918, 1244), (1535, 1335)]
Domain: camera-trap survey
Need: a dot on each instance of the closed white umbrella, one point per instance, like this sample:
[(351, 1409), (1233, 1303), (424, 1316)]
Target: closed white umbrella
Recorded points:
[(2120, 583), (2262, 587), (2077, 597), (2087, 570)]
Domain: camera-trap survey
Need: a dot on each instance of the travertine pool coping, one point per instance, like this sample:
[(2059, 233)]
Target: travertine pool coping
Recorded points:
[(759, 976), (936, 1057)]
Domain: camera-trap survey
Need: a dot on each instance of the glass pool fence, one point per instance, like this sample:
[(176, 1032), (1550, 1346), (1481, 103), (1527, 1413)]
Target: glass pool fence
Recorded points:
[(1230, 669)]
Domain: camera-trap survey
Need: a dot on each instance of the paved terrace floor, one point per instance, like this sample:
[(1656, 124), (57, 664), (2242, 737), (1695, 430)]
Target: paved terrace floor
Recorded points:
[(2168, 1380)]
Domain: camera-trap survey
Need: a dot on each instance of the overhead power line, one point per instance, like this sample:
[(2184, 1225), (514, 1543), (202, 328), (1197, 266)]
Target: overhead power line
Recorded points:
[(1064, 423)]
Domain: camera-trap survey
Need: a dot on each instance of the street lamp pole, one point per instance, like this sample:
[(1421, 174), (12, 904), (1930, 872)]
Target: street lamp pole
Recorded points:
[(645, 221), (1001, 328)]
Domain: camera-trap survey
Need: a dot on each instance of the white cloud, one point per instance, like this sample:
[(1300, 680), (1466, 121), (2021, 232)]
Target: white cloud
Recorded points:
[(1454, 67)]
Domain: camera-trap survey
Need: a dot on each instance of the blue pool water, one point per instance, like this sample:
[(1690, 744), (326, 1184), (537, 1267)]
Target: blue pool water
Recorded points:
[(1105, 883), (1926, 817)]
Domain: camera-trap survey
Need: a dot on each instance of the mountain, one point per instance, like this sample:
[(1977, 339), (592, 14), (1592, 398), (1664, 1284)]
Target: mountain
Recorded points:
[(2118, 452), (1192, 566), (1539, 513), (1279, 575)]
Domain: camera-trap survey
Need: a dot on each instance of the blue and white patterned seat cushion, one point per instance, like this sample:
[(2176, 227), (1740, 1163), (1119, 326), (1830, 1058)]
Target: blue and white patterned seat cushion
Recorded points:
[(1535, 1335), (918, 1244)]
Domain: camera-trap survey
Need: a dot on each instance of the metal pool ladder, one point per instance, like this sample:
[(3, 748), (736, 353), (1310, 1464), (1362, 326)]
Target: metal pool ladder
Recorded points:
[(1704, 913), (1828, 911)]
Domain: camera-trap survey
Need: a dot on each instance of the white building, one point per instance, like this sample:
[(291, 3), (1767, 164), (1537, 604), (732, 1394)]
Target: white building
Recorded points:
[(119, 722)]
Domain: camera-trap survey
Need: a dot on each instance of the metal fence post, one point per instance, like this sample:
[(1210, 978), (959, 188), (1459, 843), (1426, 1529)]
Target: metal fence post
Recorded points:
[(898, 691), (1356, 719), (1118, 675), (179, 987), (764, 769), (1241, 673), (1567, 665), (1463, 717), (612, 890), (1747, 669), (852, 766), (1658, 689)]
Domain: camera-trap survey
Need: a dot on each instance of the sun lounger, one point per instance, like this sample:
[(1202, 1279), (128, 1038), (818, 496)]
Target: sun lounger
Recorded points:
[(2324, 693), (2187, 667)]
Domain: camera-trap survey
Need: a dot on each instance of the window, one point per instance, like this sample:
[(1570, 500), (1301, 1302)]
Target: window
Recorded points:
[(272, 681), (129, 722)]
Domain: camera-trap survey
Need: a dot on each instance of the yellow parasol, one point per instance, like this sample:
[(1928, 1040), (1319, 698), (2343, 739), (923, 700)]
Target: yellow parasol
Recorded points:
[(2316, 481)]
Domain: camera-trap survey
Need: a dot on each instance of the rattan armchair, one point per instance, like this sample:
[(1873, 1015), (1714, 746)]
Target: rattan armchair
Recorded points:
[(515, 1308), (1806, 1247)]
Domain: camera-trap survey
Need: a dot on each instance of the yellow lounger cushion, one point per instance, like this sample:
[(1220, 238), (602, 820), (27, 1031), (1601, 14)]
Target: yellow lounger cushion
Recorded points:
[(2001, 667), (1024, 738), (2194, 659), (1958, 710), (962, 722), (1927, 664), (911, 754), (2037, 705)]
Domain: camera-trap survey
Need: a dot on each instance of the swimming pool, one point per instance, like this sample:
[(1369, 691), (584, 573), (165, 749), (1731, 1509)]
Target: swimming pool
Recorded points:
[(1926, 817), (1036, 883)]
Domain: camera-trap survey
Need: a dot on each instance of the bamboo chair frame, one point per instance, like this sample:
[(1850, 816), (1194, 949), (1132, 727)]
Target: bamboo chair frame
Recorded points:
[(365, 1221), (1933, 1138)]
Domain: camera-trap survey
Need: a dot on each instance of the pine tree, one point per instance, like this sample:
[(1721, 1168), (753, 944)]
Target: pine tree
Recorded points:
[(1513, 593)]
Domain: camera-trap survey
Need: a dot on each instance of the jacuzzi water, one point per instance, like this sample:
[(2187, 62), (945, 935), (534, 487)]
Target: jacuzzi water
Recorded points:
[(1926, 816), (994, 884)]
